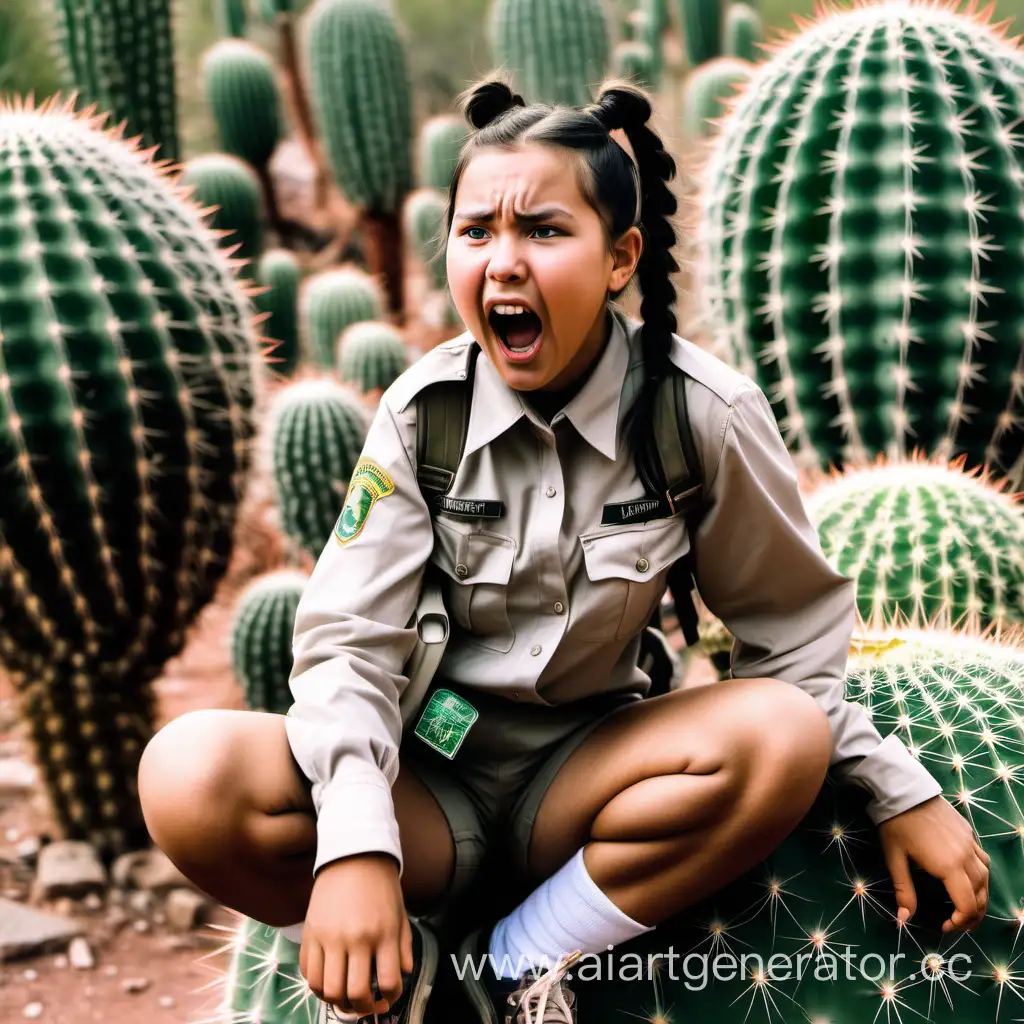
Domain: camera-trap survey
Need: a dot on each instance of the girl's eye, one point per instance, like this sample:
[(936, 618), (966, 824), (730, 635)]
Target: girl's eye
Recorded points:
[(476, 238), (547, 227)]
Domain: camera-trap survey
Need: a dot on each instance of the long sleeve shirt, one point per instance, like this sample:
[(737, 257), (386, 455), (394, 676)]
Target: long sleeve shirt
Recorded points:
[(549, 584)]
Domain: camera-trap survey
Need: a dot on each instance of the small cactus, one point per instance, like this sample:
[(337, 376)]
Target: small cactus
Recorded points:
[(743, 30), (371, 356), (231, 17), (440, 142), (316, 430), (424, 221), (278, 272), (329, 302), (261, 639), (707, 89), (634, 60), (225, 182), (702, 29), (557, 50)]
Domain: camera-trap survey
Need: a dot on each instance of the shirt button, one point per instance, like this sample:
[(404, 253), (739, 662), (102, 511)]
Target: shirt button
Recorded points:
[(559, 607), (642, 565), (535, 650), (551, 492), (461, 571)]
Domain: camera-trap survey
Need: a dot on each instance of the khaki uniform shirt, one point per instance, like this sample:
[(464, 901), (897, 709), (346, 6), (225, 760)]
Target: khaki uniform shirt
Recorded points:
[(547, 604)]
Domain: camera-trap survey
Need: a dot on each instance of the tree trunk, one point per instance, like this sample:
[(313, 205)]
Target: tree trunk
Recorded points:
[(384, 256)]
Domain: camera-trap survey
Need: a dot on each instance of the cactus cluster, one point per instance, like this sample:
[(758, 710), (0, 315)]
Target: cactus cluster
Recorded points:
[(371, 356), (331, 301), (440, 141), (129, 383)]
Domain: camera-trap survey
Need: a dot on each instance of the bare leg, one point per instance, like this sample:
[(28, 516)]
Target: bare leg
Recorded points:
[(223, 797), (677, 795)]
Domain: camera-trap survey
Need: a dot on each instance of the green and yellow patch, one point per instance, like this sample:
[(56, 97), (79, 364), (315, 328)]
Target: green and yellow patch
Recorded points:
[(369, 483)]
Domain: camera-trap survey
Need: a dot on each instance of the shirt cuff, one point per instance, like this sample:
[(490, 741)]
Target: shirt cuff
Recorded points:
[(895, 778), (356, 817)]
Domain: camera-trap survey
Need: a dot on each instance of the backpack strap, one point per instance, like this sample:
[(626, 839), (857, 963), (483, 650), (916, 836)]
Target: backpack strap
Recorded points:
[(442, 419)]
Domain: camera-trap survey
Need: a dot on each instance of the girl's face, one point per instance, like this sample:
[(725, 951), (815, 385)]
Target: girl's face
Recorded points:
[(529, 265)]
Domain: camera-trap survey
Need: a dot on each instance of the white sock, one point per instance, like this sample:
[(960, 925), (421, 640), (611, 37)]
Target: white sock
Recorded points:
[(564, 913), (293, 932)]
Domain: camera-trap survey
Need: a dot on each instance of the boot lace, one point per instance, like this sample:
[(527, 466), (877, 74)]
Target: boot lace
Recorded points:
[(546, 999)]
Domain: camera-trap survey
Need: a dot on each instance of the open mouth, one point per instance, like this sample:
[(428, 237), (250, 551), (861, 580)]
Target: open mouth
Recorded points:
[(519, 329)]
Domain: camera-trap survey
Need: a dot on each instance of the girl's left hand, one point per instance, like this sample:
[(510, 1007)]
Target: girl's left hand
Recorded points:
[(941, 840)]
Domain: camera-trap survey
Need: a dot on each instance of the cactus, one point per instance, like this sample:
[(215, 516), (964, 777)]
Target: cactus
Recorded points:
[(424, 220), (557, 50), (120, 56), (279, 273), (743, 30), (231, 17), (702, 29), (261, 639), (440, 142), (819, 914), (926, 542), (225, 182), (241, 89), (371, 356), (707, 89), (635, 61), (329, 302), (362, 102), (129, 383), (316, 430), (858, 229)]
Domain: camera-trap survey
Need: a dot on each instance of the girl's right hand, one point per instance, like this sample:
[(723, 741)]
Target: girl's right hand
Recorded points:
[(356, 917)]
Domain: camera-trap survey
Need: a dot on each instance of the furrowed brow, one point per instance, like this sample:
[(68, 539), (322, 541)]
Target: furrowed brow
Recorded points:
[(486, 216)]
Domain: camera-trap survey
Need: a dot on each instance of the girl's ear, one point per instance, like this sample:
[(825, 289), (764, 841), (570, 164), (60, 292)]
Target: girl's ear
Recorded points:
[(625, 257)]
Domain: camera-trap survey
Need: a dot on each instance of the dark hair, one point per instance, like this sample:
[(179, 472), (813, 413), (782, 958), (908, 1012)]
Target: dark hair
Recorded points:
[(622, 192)]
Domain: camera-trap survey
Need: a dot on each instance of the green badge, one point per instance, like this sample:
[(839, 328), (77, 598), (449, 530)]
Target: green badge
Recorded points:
[(445, 721), (369, 482)]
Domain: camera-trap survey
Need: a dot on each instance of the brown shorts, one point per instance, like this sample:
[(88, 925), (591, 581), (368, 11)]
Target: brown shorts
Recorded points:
[(492, 789)]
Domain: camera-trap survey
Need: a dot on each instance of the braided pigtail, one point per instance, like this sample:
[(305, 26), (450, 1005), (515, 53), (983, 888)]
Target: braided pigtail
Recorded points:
[(627, 108)]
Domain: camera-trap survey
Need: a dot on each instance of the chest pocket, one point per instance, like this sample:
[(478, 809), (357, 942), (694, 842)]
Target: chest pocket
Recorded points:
[(478, 567), (627, 568)]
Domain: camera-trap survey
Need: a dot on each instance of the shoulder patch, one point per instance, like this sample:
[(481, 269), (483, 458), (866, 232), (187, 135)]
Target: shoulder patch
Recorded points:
[(368, 485)]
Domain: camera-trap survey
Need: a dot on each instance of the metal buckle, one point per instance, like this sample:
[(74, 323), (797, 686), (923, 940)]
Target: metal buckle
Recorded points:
[(672, 501)]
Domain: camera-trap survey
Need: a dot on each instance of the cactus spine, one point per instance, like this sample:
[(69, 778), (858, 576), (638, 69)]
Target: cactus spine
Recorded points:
[(329, 302), (558, 50), (860, 227), (129, 379), (279, 273), (371, 356)]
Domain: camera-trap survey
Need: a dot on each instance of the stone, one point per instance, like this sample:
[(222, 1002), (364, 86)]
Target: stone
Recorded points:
[(158, 874), (185, 908), (30, 974), (122, 871), (110, 970), (141, 901), (135, 985), (17, 777), (60, 960), (33, 1010), (93, 901), (80, 953), (12, 833), (167, 1002), (26, 931), (141, 925), (68, 868), (28, 850)]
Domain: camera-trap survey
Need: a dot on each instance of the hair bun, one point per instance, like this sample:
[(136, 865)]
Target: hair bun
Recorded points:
[(488, 101), (622, 107)]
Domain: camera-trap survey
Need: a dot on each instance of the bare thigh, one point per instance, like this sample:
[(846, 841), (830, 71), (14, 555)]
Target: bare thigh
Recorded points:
[(224, 798)]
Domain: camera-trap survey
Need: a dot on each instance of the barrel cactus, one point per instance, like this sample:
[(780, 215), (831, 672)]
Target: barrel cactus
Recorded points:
[(440, 142), (707, 91), (371, 356), (120, 56), (225, 182), (332, 300), (361, 96), (701, 21), (743, 30), (316, 433), (130, 380), (261, 639), (231, 17), (425, 220), (278, 272), (810, 934), (557, 50), (859, 226)]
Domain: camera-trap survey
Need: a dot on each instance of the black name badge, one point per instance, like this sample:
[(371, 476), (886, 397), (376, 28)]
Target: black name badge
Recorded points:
[(469, 508), (639, 511)]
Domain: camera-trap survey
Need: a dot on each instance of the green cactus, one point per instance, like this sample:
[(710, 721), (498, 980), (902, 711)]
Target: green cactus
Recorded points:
[(361, 96), (129, 384), (424, 220), (230, 185), (743, 29), (371, 356), (231, 17), (707, 89), (819, 914), (261, 639), (702, 29), (859, 227), (926, 542), (317, 429), (329, 302), (241, 88), (557, 50), (278, 271), (120, 56), (635, 61), (440, 142)]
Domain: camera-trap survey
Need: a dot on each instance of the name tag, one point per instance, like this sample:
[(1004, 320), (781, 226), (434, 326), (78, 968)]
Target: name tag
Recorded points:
[(639, 511), (469, 508)]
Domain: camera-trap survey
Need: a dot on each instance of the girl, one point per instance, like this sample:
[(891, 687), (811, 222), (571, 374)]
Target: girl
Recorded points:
[(620, 811)]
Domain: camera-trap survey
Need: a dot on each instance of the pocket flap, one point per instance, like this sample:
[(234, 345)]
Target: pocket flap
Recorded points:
[(473, 556), (636, 553)]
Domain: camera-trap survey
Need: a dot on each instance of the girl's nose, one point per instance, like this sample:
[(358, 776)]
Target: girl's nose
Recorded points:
[(506, 262)]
